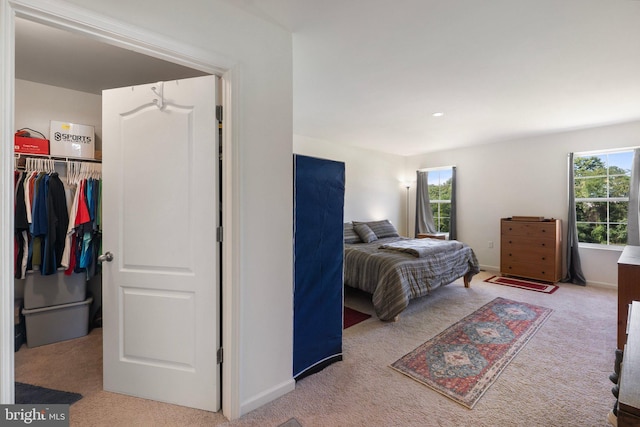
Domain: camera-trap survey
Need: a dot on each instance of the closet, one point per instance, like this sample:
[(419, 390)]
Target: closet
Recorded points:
[(43, 95), (57, 242)]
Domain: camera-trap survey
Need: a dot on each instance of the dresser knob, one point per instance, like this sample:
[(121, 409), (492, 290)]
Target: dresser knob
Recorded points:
[(509, 241), (544, 244), (543, 258), (544, 231)]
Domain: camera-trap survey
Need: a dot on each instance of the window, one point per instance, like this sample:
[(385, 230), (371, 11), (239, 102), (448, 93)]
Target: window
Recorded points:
[(602, 196), (440, 197)]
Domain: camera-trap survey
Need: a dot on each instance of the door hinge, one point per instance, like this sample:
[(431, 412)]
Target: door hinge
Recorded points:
[(219, 234), (219, 356), (219, 112)]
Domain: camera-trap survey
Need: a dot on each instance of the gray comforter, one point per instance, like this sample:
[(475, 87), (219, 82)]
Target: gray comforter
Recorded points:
[(395, 277)]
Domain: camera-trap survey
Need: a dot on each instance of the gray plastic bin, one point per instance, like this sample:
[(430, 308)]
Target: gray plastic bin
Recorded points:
[(57, 323), (55, 289)]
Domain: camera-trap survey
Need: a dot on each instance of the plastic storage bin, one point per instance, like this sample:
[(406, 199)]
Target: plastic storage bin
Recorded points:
[(55, 289), (57, 323)]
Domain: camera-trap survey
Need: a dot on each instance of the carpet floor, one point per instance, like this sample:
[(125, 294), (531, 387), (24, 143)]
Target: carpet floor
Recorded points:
[(560, 378)]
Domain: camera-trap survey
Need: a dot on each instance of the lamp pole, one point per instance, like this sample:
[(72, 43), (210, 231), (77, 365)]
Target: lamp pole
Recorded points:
[(408, 186)]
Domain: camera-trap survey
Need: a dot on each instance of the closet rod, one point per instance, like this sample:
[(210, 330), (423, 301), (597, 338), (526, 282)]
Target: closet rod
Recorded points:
[(55, 158)]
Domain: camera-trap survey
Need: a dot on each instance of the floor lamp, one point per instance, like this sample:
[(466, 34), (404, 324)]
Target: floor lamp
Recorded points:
[(408, 186)]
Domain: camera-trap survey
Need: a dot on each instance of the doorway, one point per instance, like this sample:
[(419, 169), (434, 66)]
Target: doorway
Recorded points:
[(207, 68)]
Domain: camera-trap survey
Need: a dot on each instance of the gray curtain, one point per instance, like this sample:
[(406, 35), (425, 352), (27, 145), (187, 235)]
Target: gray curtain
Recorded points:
[(574, 268), (453, 230), (424, 216), (633, 225)]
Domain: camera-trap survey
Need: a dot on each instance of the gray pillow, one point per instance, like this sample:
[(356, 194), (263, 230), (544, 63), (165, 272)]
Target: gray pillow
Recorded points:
[(350, 235), (382, 228), (365, 232)]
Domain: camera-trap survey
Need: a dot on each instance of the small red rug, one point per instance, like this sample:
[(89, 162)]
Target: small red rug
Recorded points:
[(353, 317), (465, 359), (530, 285)]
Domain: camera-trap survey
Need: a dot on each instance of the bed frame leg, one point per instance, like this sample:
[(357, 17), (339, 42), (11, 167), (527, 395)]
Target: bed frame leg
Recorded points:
[(467, 280)]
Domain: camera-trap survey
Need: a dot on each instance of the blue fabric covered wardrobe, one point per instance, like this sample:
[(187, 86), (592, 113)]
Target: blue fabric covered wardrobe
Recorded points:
[(318, 263)]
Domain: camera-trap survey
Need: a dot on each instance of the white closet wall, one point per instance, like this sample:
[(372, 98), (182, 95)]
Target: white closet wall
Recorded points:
[(37, 104)]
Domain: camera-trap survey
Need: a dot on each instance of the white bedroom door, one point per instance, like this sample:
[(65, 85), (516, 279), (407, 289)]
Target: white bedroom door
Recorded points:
[(160, 210)]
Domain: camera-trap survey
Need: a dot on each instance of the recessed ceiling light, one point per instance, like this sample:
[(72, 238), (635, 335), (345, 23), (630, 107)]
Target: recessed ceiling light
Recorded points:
[(438, 114)]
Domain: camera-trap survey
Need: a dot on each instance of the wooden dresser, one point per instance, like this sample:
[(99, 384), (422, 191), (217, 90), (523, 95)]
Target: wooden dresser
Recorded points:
[(628, 287), (531, 249)]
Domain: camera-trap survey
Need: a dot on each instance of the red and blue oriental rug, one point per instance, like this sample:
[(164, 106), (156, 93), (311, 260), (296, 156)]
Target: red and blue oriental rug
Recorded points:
[(464, 360)]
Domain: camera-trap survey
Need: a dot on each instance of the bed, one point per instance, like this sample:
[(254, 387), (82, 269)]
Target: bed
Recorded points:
[(395, 269)]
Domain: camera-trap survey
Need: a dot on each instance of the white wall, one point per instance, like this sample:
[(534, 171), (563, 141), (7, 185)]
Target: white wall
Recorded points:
[(525, 177), (262, 53), (373, 180), (37, 104)]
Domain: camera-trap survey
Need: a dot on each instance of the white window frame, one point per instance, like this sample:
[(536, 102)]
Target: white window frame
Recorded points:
[(607, 245), (439, 202)]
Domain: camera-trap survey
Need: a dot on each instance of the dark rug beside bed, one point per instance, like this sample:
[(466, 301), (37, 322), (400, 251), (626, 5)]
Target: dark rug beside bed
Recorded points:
[(27, 394), (353, 317)]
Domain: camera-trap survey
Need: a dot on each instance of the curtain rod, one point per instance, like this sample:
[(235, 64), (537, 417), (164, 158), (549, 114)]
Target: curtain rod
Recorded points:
[(436, 168)]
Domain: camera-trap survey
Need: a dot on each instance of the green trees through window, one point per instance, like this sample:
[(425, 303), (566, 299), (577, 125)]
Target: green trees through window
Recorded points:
[(602, 197), (440, 197)]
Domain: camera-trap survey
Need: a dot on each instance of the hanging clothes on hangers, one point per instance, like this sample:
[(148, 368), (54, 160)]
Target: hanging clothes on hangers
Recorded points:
[(21, 227), (49, 215), (84, 233), (58, 221)]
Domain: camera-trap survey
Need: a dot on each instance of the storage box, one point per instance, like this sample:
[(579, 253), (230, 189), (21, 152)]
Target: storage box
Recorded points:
[(72, 140), (57, 323), (55, 289), (28, 145)]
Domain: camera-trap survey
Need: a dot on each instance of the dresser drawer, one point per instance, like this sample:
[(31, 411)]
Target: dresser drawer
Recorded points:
[(546, 229), (542, 257), (527, 244), (532, 271)]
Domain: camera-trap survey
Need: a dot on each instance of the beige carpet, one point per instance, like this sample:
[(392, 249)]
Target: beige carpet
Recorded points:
[(559, 379)]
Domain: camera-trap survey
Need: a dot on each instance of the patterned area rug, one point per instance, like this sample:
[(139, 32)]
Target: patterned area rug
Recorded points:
[(530, 285), (464, 360)]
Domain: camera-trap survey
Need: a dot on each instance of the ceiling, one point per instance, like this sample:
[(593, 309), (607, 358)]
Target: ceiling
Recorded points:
[(59, 58), (371, 73)]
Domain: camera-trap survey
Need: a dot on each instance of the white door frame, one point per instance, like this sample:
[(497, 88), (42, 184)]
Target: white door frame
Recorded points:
[(60, 14)]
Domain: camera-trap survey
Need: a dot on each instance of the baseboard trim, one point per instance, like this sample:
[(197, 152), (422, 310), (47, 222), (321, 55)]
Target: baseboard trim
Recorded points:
[(267, 396), (602, 285)]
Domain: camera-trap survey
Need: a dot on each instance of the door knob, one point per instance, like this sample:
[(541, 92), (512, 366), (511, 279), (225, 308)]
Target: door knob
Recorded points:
[(108, 257)]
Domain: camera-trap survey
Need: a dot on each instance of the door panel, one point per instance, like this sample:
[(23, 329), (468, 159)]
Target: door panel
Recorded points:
[(160, 207)]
